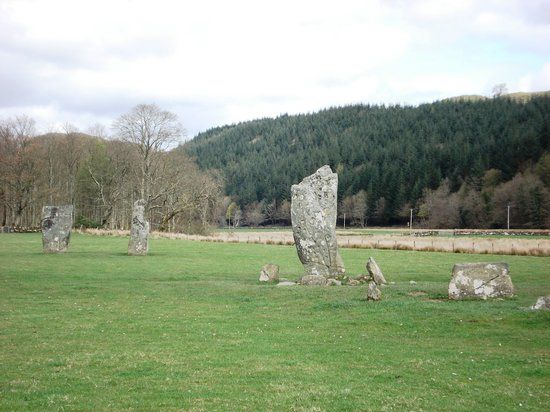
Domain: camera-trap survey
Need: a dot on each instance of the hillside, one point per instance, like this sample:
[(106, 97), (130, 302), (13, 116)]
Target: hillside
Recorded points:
[(466, 98), (521, 97), (393, 153)]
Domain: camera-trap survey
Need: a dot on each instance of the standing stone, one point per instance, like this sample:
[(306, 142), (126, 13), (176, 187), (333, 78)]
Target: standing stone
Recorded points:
[(375, 272), (57, 222), (481, 281), (542, 303), (139, 233), (269, 273), (313, 213), (373, 293)]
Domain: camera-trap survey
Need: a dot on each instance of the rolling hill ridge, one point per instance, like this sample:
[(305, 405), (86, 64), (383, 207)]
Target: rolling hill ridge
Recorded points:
[(394, 153)]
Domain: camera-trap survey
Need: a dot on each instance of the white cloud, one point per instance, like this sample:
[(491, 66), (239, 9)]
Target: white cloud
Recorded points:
[(534, 82), (218, 61)]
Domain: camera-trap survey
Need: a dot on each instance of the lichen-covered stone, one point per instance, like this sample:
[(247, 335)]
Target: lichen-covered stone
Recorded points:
[(313, 280), (364, 278), (373, 293), (313, 214), (542, 303), (333, 282), (57, 222), (269, 273), (139, 232), (481, 281), (375, 272)]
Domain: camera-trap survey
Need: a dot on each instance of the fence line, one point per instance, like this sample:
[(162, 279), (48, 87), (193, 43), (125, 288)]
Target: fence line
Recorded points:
[(500, 246)]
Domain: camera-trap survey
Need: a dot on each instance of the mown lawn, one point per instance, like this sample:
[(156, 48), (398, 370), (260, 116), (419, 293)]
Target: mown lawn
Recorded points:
[(190, 327)]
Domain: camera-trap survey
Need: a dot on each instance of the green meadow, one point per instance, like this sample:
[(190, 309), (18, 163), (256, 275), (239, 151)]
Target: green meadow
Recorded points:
[(190, 327)]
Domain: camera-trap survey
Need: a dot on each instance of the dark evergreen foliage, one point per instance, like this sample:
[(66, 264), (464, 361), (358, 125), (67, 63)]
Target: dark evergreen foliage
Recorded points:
[(391, 152)]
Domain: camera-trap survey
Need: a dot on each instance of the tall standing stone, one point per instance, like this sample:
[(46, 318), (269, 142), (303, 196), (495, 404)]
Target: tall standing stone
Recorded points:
[(57, 222), (139, 233), (313, 213)]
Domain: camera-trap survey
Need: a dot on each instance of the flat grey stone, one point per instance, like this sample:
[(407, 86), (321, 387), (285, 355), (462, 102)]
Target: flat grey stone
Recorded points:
[(269, 273), (313, 280), (480, 281), (542, 303), (286, 283)]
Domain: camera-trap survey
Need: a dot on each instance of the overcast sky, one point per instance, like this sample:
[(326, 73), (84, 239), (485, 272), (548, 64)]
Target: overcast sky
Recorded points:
[(218, 62)]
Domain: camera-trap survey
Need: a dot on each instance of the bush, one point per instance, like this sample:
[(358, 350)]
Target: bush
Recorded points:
[(82, 221)]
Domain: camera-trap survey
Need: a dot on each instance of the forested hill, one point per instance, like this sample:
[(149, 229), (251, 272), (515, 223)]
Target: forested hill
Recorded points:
[(391, 152)]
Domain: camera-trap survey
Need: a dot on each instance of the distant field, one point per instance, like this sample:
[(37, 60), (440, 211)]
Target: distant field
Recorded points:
[(189, 327), (391, 231), (444, 241)]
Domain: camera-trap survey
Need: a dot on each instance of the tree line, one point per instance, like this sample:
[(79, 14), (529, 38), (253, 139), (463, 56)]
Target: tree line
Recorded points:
[(456, 163), (102, 176)]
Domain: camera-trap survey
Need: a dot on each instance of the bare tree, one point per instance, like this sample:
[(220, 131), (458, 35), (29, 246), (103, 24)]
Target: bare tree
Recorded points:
[(98, 130), (529, 201), (107, 164), (234, 215), (499, 89), (354, 208), (152, 131), (359, 209), (270, 210), (18, 167), (191, 196), (71, 154), (283, 212), (440, 208), (253, 213), (345, 208)]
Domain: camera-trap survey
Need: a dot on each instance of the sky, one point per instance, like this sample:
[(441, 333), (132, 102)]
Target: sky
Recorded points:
[(221, 62)]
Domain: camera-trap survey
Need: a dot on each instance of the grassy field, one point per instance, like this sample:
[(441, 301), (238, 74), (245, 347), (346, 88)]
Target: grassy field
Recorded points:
[(190, 327)]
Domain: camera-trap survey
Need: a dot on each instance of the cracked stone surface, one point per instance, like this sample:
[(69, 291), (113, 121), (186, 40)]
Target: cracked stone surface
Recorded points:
[(480, 281), (139, 233), (269, 273), (313, 280), (313, 214), (57, 222), (373, 293), (542, 303), (375, 272)]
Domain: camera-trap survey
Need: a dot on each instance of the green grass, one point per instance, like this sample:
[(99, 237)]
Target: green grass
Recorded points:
[(190, 327)]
